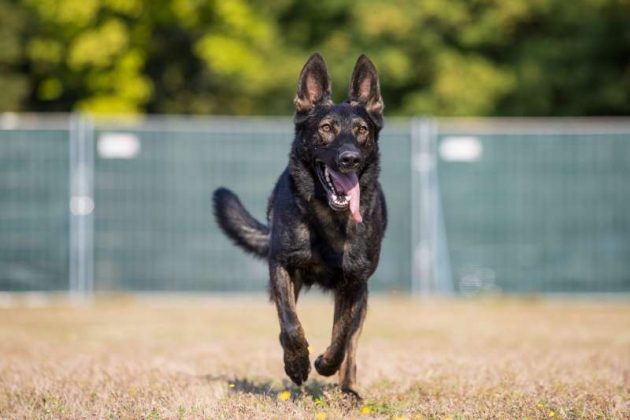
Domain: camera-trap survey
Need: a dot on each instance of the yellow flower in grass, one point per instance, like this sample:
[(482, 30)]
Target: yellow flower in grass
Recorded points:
[(320, 416), (552, 413), (284, 395), (366, 409)]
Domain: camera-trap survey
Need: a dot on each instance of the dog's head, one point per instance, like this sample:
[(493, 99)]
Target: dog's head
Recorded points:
[(338, 140)]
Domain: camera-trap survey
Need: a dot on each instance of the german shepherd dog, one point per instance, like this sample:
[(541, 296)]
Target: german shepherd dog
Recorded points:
[(325, 219)]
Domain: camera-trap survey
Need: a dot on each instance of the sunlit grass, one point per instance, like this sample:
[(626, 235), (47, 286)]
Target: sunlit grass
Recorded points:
[(219, 357)]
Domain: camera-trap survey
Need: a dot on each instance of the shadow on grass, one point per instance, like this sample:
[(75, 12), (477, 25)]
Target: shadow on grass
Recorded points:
[(314, 389)]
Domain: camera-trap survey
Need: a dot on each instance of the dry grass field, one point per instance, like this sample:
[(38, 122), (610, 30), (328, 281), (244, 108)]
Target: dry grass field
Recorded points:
[(219, 357)]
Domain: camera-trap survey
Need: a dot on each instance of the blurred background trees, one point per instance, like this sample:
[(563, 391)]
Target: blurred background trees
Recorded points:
[(440, 57)]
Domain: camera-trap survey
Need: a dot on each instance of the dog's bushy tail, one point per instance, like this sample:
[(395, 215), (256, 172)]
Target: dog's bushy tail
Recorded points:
[(238, 224)]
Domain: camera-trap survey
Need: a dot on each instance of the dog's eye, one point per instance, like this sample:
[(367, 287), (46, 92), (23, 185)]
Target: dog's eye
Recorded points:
[(326, 128)]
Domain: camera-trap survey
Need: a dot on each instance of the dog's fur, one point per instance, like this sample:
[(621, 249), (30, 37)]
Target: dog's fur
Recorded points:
[(310, 239)]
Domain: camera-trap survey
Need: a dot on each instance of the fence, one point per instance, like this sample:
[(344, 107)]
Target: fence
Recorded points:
[(474, 205), (544, 207)]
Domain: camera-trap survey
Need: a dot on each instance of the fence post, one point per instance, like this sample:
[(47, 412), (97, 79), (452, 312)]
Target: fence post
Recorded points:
[(431, 267), (81, 206), (422, 237)]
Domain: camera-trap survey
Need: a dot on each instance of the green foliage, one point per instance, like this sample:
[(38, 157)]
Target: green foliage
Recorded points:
[(442, 57), (13, 84)]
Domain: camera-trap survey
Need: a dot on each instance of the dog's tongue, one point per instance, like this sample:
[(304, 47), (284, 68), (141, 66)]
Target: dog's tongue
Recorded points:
[(349, 185)]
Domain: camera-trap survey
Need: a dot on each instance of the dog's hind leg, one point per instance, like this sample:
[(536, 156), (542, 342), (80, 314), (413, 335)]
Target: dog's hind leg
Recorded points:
[(296, 360), (350, 310)]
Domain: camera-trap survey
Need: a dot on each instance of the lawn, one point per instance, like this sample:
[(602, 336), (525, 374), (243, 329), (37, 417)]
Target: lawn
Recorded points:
[(219, 357)]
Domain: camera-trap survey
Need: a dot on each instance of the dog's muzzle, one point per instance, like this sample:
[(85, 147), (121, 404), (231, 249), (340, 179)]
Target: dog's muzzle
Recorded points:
[(342, 188)]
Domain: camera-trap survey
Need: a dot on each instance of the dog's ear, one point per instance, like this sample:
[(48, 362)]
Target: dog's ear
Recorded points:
[(365, 88), (314, 86)]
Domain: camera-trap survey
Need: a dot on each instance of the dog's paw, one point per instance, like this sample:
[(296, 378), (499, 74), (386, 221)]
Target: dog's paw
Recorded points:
[(325, 367), (352, 394), (297, 364)]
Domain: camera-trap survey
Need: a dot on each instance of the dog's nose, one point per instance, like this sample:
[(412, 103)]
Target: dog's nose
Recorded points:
[(349, 160)]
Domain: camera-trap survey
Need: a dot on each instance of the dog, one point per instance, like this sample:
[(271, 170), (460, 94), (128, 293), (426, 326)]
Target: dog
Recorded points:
[(326, 216)]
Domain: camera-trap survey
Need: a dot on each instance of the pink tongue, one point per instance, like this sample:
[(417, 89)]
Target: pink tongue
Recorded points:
[(349, 185)]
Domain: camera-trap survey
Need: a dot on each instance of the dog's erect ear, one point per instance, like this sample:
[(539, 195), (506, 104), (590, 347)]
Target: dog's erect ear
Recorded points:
[(314, 85), (365, 88)]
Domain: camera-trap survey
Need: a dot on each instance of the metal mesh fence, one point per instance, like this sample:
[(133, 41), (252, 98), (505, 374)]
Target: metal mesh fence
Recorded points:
[(485, 205), (34, 194), (154, 228), (543, 207)]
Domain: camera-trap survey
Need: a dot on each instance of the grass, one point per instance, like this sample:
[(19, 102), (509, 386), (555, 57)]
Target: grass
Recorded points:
[(219, 357)]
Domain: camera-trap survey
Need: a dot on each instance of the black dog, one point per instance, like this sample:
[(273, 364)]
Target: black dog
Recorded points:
[(326, 216)]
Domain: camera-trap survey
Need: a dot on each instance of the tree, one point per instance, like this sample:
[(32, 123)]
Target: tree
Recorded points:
[(14, 82), (440, 57)]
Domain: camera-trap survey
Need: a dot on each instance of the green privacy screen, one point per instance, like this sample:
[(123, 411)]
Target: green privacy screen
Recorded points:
[(542, 208), (153, 225), (34, 195), (514, 206)]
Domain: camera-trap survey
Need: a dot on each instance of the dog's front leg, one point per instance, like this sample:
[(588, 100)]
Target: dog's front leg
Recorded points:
[(350, 309), (296, 361), (348, 369)]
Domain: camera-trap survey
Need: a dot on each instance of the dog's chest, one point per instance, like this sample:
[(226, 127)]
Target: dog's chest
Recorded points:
[(330, 248), (340, 254)]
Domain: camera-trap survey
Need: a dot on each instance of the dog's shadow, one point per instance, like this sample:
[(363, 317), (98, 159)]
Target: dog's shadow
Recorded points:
[(313, 388)]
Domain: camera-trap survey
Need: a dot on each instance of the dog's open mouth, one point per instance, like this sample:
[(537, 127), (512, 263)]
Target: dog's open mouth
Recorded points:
[(342, 189)]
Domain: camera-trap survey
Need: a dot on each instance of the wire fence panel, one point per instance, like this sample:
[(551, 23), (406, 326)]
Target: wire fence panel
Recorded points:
[(517, 206), (537, 209), (34, 197), (394, 272), (154, 228)]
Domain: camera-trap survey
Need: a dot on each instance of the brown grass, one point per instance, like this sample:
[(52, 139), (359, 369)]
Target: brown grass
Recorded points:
[(219, 357)]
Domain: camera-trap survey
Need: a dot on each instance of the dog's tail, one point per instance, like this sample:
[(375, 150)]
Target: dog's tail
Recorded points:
[(239, 225)]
